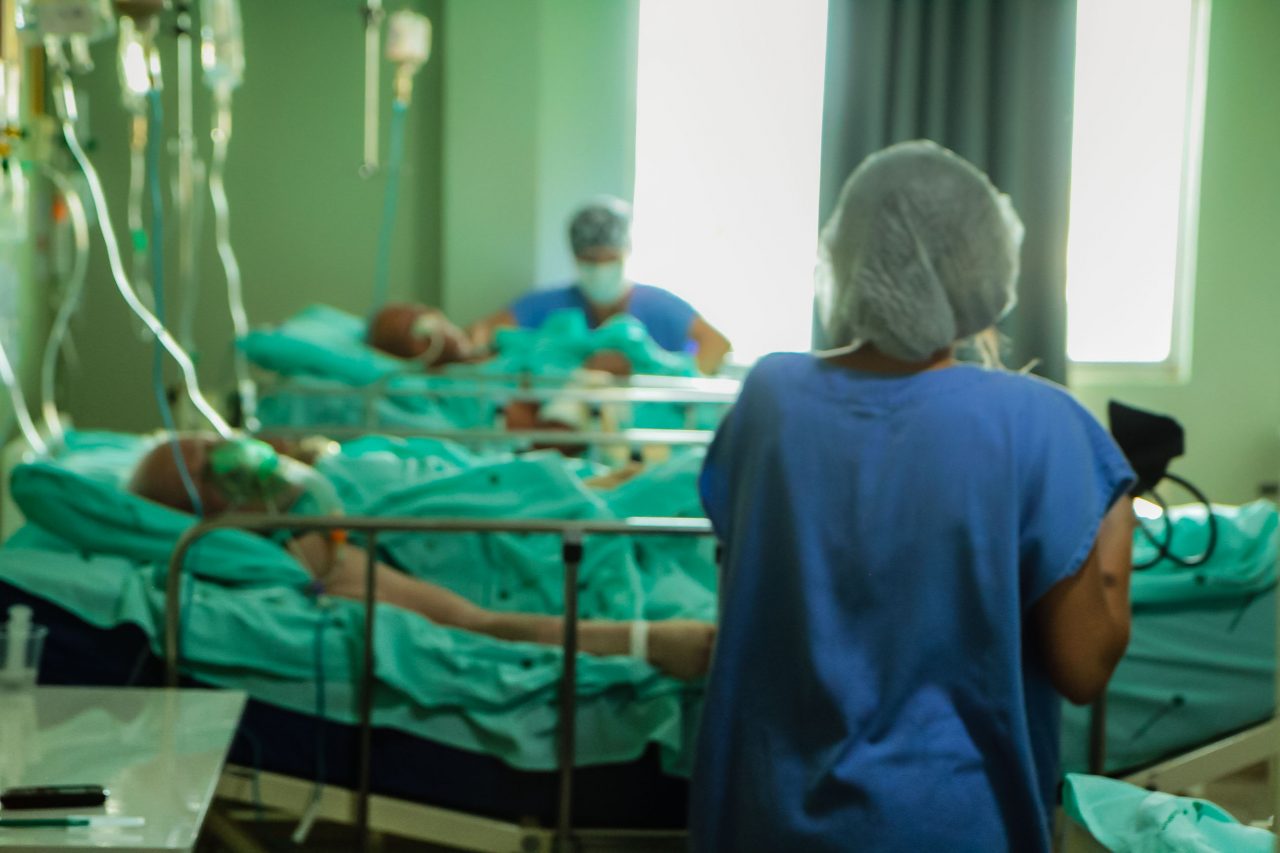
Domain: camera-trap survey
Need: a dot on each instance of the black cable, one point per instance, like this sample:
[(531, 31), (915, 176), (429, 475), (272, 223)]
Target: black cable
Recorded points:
[(1164, 548), (1212, 545)]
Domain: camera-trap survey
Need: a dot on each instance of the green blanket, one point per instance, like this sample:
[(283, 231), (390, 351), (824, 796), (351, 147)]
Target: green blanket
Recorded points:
[(253, 622)]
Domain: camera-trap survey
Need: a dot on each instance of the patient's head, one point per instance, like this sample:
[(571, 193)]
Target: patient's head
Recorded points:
[(158, 478), (418, 332), (242, 474)]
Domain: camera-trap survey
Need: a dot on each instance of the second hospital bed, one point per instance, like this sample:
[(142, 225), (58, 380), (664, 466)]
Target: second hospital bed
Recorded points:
[(328, 378)]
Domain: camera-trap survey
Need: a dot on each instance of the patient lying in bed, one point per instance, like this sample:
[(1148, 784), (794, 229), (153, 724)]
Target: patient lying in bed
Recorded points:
[(680, 648), (420, 333)]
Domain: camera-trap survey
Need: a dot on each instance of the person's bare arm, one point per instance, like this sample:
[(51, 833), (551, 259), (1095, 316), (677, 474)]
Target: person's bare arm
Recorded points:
[(712, 345), (481, 332), (1081, 625)]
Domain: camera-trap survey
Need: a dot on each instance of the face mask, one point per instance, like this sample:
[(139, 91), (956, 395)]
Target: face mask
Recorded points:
[(603, 284), (254, 476)]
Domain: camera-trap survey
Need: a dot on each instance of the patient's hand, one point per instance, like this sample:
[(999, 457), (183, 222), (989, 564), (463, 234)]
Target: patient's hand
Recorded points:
[(615, 478), (609, 361)]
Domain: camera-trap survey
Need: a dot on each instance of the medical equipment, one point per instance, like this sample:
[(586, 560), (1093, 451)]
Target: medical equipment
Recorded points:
[(190, 172), (251, 474), (1151, 442), (19, 401), (22, 648), (19, 628), (71, 294), (65, 104), (222, 56), (66, 28), (138, 63), (408, 47), (13, 190), (373, 13)]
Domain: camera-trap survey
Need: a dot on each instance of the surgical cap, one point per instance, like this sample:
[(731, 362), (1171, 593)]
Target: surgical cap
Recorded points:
[(604, 223), (921, 252)]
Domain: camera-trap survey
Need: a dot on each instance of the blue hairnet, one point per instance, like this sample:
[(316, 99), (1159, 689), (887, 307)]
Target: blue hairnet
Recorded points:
[(604, 222), (920, 252)]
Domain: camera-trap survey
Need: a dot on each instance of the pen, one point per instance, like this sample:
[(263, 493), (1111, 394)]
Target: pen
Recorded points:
[(70, 820)]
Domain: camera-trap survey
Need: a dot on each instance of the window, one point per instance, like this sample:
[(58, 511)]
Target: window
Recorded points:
[(1135, 179), (728, 138)]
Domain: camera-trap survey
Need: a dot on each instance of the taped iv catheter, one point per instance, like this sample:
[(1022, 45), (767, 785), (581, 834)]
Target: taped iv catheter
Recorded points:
[(222, 56), (65, 102), (408, 48)]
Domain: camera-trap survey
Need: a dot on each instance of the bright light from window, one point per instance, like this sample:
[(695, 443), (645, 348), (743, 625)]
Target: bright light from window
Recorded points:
[(728, 135), (1133, 169)]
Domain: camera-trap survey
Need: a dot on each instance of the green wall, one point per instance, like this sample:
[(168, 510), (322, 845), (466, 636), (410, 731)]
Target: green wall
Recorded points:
[(526, 108), (1231, 405), (304, 224), (539, 107)]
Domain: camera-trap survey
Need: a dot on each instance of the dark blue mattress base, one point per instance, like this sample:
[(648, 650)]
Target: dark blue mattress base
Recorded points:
[(636, 795)]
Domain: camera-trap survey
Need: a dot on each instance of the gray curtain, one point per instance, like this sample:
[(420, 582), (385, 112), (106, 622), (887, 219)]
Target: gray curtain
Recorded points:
[(993, 81)]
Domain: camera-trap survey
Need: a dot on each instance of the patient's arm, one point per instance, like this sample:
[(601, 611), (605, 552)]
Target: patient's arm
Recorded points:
[(680, 648), (481, 333), (712, 345)]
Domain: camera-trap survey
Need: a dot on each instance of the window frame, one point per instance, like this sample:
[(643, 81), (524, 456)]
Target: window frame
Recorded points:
[(1176, 368)]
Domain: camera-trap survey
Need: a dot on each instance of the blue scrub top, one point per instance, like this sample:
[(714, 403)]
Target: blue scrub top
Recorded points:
[(665, 315), (885, 538)]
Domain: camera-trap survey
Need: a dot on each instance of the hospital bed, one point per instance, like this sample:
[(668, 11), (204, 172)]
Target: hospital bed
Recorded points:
[(1195, 697), (468, 798), (322, 375), (572, 535)]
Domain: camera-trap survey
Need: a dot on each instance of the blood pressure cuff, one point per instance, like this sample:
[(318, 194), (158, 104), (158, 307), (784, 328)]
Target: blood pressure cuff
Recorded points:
[(1148, 440)]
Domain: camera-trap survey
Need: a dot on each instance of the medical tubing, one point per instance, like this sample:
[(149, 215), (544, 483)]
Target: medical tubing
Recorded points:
[(137, 228), (70, 302), (1162, 547), (66, 108), (188, 279), (1164, 550), (20, 411), (245, 385), (390, 197), (154, 140)]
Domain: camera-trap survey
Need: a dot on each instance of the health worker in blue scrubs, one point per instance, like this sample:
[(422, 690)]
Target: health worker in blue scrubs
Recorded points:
[(600, 237), (922, 556)]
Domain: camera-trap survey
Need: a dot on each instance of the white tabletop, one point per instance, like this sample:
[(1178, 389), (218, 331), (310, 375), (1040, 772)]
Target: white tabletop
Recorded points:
[(159, 752)]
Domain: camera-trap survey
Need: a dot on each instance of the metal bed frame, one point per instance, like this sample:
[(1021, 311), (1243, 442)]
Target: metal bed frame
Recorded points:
[(525, 388), (571, 533), (636, 438)]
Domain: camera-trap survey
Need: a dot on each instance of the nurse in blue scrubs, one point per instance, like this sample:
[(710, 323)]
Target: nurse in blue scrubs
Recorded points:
[(922, 556), (600, 237)]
